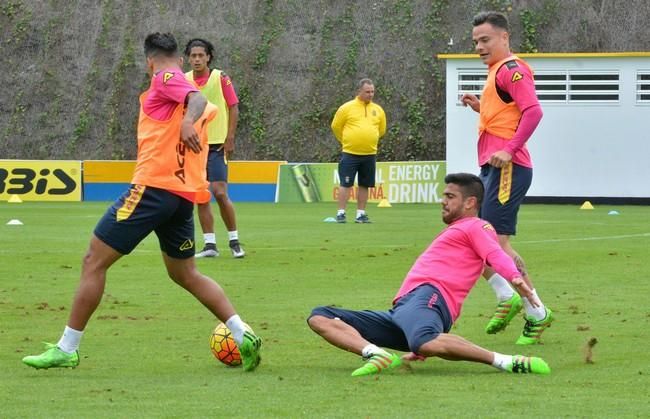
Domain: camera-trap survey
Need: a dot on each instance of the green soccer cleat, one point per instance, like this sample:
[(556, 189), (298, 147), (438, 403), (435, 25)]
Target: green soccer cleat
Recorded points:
[(533, 329), (250, 350), (378, 363), (506, 311), (53, 357), (528, 365)]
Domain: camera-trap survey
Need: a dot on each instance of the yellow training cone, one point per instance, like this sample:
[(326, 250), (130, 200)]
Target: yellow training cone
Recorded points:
[(587, 206), (15, 199), (384, 204)]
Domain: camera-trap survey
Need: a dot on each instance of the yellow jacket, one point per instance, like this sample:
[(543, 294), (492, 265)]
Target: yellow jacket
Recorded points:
[(358, 126)]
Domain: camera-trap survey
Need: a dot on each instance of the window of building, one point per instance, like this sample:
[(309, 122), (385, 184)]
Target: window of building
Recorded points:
[(471, 81), (643, 86), (564, 86), (551, 86), (594, 87)]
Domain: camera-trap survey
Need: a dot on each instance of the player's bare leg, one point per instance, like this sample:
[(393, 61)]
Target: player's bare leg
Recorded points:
[(338, 333), (207, 291), (362, 200), (455, 348), (344, 336), (344, 195), (227, 210), (212, 296), (98, 258), (206, 219)]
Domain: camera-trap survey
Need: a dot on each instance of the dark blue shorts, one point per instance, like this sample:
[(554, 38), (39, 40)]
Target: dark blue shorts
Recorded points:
[(217, 164), (512, 184), (415, 319), (352, 164), (143, 209)]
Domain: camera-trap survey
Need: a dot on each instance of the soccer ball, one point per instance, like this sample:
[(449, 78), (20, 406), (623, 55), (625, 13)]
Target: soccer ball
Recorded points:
[(223, 346)]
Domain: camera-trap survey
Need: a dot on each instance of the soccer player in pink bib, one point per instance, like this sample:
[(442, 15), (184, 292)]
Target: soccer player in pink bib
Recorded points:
[(431, 296), (509, 113), (169, 178)]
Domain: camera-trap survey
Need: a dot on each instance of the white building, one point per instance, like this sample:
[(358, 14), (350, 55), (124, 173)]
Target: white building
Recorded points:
[(594, 139)]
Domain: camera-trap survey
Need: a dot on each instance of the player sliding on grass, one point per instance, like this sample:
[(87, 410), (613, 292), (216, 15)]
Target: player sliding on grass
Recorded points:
[(431, 296), (169, 178)]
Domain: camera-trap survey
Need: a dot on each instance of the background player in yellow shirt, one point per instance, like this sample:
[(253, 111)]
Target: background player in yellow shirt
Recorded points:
[(358, 125)]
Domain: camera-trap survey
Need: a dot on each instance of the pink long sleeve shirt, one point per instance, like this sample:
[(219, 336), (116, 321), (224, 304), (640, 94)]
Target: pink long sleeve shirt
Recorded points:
[(455, 259), (517, 81)]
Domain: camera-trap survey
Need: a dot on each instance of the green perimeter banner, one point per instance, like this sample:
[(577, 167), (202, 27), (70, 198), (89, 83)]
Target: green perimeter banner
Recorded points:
[(398, 182)]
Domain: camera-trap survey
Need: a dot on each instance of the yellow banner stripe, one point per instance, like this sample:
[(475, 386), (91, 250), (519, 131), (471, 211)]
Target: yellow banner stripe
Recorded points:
[(253, 171), (108, 171)]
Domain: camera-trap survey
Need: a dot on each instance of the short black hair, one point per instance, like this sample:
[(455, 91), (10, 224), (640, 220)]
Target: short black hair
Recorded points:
[(160, 44), (470, 185), (198, 42), (493, 18)]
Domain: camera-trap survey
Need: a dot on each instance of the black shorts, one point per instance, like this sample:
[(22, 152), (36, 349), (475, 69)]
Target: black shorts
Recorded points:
[(415, 319), (217, 164), (352, 164), (505, 190), (143, 209)]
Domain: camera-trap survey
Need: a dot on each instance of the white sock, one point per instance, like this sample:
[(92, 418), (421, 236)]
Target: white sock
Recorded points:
[(501, 361), (209, 238), (501, 287), (233, 235), (538, 313), (370, 350), (340, 212), (237, 328), (70, 339), (360, 213)]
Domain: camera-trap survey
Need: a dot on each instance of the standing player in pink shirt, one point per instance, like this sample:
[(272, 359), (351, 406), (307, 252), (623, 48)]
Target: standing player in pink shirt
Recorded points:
[(217, 87), (509, 113), (169, 178), (431, 296)]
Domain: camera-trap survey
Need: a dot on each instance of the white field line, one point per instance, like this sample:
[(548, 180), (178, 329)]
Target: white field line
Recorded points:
[(401, 245), (581, 239)]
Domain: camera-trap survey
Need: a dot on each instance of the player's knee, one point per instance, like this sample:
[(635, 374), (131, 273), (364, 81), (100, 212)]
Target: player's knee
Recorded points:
[(174, 276), (221, 196), (426, 345), (92, 262), (317, 318), (184, 278)]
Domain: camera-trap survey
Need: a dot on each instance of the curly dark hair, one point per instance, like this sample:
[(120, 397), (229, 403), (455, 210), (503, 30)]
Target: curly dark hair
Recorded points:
[(198, 42)]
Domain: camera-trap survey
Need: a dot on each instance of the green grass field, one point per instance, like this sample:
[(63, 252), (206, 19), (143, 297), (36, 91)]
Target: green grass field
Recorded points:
[(145, 352)]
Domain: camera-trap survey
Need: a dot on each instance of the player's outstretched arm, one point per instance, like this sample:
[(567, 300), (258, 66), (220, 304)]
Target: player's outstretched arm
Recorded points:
[(525, 291)]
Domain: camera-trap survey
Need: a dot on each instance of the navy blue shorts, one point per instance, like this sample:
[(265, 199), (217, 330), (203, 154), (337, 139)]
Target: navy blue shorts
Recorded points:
[(415, 319), (352, 164), (509, 184), (143, 209), (217, 164)]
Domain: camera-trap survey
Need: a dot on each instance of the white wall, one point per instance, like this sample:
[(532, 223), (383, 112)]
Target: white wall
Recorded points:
[(578, 150)]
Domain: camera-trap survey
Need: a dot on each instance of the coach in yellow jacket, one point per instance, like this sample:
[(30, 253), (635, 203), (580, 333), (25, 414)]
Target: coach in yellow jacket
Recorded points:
[(358, 125)]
